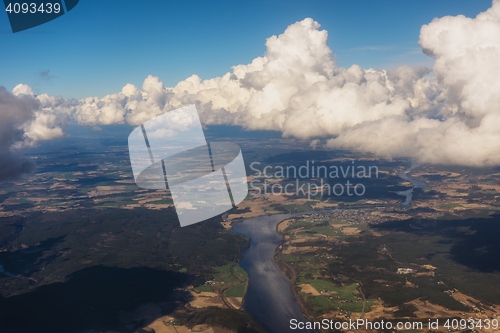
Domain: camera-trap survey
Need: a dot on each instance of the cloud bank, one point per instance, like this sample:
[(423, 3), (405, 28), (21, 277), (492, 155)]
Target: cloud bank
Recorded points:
[(465, 128), (295, 88), (450, 115), (25, 120)]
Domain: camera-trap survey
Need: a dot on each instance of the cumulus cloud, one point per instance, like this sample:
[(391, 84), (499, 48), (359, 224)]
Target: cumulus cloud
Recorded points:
[(467, 131), (15, 111), (24, 120), (449, 115), (295, 88), (131, 105), (49, 116)]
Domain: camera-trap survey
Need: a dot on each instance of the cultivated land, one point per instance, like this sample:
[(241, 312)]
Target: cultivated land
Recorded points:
[(82, 247), (374, 259), (437, 259), (80, 230)]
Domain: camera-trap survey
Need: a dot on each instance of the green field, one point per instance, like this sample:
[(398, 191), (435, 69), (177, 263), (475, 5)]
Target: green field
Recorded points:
[(230, 279), (238, 291), (464, 252), (325, 230)]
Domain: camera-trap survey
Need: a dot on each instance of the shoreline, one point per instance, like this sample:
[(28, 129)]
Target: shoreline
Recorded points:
[(283, 291), (290, 273)]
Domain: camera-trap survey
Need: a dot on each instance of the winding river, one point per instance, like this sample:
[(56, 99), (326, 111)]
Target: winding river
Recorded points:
[(416, 184), (269, 297)]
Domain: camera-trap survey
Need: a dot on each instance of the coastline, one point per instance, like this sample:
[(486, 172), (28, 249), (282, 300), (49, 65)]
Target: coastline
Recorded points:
[(290, 273)]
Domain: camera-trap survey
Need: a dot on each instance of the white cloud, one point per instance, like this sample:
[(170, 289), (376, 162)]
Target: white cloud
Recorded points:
[(48, 116), (450, 117), (466, 53), (295, 88), (24, 120)]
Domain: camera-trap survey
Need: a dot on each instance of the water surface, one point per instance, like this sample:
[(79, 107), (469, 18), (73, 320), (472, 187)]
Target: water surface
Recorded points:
[(269, 297), (416, 184)]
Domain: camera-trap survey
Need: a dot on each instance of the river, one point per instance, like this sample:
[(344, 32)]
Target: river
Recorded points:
[(416, 184), (269, 297)]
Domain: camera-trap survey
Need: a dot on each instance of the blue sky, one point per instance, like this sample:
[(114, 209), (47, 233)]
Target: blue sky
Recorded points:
[(100, 46)]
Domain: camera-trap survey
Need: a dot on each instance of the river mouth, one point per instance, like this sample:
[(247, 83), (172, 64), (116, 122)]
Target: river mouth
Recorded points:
[(269, 297)]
